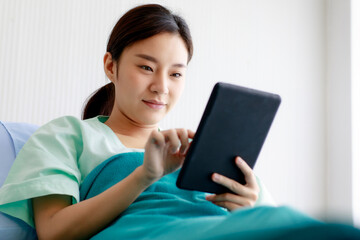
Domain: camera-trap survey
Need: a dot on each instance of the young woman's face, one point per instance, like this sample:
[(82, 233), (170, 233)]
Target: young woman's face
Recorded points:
[(150, 78)]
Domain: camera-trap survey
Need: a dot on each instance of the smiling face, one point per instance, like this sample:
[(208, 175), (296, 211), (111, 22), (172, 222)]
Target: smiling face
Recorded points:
[(149, 78)]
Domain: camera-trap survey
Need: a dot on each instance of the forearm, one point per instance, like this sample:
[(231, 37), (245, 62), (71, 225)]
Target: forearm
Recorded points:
[(84, 219)]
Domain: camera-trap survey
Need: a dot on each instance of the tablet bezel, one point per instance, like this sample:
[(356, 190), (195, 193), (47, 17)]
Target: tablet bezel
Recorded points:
[(225, 98)]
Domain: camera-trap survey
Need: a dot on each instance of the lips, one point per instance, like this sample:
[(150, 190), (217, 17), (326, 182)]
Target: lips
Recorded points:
[(154, 104)]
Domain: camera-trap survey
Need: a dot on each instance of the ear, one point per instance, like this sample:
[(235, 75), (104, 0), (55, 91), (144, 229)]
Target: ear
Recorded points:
[(110, 67)]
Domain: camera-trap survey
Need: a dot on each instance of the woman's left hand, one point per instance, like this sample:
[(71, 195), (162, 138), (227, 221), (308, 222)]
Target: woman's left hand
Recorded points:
[(243, 195)]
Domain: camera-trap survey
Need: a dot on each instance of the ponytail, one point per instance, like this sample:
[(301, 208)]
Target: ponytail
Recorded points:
[(101, 102)]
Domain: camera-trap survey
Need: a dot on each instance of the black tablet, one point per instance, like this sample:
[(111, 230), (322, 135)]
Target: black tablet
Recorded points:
[(235, 122)]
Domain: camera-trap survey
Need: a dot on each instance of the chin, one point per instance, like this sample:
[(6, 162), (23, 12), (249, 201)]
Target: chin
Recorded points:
[(152, 120)]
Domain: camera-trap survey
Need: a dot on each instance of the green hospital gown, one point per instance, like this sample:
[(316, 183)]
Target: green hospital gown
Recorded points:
[(58, 157)]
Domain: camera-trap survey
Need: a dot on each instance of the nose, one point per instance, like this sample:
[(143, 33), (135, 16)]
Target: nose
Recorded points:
[(159, 84)]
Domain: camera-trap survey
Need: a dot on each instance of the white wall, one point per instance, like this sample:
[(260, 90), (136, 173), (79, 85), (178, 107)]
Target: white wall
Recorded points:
[(339, 148), (355, 95), (51, 60), (343, 114)]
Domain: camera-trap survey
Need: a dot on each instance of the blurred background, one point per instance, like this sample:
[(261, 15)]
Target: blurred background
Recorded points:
[(307, 51)]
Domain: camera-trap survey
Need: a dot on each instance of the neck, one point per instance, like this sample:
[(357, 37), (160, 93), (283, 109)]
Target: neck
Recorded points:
[(129, 131)]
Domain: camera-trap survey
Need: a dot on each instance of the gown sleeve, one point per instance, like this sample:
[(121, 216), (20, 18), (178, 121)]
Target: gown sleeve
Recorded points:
[(47, 164), (265, 198)]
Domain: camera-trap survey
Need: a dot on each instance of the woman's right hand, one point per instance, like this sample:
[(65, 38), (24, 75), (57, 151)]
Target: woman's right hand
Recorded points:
[(165, 152)]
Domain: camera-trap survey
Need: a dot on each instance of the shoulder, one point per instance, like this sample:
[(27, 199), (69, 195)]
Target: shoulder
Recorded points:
[(69, 129), (62, 131), (67, 125), (65, 121)]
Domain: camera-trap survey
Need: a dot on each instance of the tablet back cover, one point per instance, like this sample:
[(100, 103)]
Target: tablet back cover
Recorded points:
[(235, 122)]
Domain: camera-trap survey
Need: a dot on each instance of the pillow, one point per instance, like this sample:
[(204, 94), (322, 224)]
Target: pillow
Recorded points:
[(12, 138), (7, 153)]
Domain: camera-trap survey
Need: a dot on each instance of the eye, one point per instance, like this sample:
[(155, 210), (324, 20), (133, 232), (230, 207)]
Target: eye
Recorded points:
[(177, 75), (146, 68)]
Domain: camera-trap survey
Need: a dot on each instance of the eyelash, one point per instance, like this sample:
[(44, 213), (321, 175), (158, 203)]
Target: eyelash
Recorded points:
[(178, 75), (147, 68)]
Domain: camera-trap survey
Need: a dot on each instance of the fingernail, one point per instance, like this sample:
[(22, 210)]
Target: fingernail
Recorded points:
[(182, 150), (239, 160), (153, 141), (216, 177)]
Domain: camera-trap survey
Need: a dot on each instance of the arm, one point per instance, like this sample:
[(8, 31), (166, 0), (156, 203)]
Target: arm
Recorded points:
[(56, 218)]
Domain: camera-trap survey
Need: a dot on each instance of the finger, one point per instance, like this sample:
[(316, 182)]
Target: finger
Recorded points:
[(228, 205), (231, 184), (229, 197), (191, 136), (172, 140), (156, 139), (190, 133), (184, 139), (247, 171)]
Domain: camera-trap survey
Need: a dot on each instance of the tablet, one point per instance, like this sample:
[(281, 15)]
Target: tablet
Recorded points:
[(235, 122)]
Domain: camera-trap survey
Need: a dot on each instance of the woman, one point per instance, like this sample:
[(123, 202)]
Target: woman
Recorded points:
[(146, 60)]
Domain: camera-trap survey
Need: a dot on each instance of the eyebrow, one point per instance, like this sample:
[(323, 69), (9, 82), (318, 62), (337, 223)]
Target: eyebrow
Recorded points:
[(152, 59)]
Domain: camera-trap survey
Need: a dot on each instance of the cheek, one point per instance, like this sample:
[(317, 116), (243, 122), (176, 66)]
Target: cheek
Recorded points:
[(130, 80), (177, 90)]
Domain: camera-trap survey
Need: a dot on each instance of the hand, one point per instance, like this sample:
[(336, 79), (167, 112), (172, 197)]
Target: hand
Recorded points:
[(165, 152), (243, 195)]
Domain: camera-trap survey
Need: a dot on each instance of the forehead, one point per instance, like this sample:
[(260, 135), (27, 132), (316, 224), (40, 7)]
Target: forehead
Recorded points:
[(164, 47)]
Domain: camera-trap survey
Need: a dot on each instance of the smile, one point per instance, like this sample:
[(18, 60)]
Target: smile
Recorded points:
[(154, 104)]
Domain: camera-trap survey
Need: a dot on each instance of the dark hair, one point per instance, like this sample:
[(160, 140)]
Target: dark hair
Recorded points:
[(137, 24)]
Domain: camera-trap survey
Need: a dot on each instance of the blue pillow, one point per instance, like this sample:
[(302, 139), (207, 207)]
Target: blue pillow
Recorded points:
[(12, 138)]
